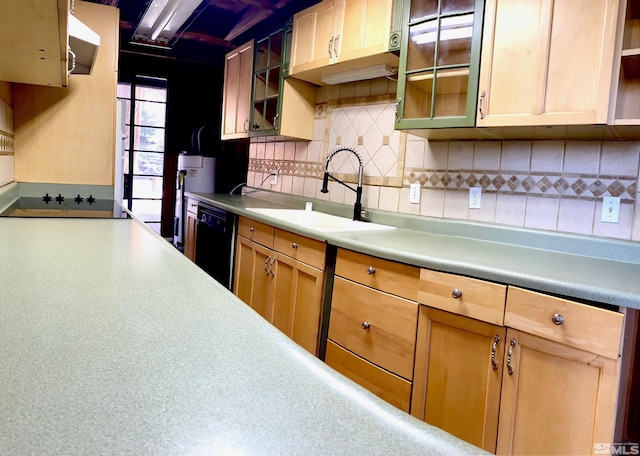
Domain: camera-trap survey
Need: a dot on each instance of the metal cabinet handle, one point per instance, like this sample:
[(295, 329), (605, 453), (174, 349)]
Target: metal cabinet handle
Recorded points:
[(557, 319), (481, 102), (252, 229), (275, 120), (245, 126), (494, 347), (330, 46), (366, 325), (294, 245), (397, 108), (273, 260), (511, 345), (266, 262), (371, 270), (456, 293), (73, 61), (335, 46)]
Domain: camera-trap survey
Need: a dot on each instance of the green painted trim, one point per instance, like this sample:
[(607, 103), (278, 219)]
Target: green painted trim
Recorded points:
[(469, 119)]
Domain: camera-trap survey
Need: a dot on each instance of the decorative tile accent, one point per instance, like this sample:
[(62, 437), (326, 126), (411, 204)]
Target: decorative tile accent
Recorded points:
[(6, 129), (6, 144), (588, 187), (290, 168)]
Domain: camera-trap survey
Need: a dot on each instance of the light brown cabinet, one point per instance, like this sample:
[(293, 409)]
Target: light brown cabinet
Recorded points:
[(236, 95), (339, 35), (561, 363), (546, 63), (35, 40), (54, 128), (372, 325), (281, 276), (191, 229)]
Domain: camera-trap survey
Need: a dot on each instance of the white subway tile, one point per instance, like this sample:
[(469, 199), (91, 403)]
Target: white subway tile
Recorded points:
[(6, 169), (541, 213), (581, 157), (576, 216), (510, 209), (389, 199), (547, 156), (486, 155), (619, 158), (432, 203), (456, 205), (436, 156), (460, 155), (516, 155), (414, 154)]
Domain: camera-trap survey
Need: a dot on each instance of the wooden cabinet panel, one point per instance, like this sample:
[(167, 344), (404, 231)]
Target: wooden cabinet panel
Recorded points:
[(190, 233), (365, 28), (256, 231), (253, 273), (577, 325), (387, 386), (390, 276), (558, 400), (546, 62), (478, 299), (297, 301), (313, 31), (236, 96), (456, 385), (67, 136), (301, 248), (377, 326)]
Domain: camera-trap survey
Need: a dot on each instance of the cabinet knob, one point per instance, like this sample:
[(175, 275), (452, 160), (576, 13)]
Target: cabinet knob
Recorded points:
[(371, 270), (252, 229), (557, 319), (365, 325), (456, 293), (294, 245)]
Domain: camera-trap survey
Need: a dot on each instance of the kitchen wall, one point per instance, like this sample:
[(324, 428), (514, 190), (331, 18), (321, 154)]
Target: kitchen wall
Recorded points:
[(6, 134), (539, 184)]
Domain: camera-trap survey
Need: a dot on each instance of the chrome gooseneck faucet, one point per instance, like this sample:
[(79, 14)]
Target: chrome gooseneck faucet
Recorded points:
[(357, 208)]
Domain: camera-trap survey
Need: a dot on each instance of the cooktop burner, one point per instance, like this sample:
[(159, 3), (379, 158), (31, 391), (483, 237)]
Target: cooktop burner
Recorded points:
[(77, 206)]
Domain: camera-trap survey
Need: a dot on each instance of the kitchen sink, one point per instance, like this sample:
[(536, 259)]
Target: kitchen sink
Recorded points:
[(320, 221)]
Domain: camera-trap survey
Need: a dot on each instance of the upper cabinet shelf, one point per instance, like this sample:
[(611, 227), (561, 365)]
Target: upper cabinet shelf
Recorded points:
[(34, 34), (627, 100)]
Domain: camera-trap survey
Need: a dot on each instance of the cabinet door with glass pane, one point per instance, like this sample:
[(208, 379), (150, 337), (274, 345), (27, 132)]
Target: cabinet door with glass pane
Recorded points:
[(266, 83), (439, 63)]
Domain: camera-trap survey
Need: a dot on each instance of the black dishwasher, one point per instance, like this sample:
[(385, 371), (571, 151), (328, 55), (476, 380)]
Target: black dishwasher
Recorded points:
[(214, 242)]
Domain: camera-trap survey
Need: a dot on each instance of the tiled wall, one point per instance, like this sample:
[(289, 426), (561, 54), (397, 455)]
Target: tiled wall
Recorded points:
[(6, 143), (547, 185)]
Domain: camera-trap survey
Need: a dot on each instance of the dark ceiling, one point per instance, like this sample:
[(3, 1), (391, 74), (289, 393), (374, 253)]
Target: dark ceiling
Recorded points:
[(216, 27)]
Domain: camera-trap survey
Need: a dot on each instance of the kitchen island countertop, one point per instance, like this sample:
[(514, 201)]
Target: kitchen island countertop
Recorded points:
[(112, 342)]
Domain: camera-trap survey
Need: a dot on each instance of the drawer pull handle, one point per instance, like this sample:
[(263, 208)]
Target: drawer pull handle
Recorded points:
[(557, 319), (266, 263), (494, 347), (366, 325), (294, 245), (456, 293), (371, 270), (511, 345), (252, 229)]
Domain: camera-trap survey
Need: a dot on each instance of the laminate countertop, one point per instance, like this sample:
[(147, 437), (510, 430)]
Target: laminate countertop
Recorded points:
[(112, 342), (593, 270)]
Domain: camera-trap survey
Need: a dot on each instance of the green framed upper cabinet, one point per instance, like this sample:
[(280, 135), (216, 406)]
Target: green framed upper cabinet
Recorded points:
[(439, 64), (280, 105)]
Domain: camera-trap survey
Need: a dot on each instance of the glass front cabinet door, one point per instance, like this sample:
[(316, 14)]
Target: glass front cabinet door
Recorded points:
[(439, 64), (266, 83)]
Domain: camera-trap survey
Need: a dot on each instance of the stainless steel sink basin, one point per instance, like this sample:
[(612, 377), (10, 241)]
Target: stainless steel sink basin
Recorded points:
[(320, 221)]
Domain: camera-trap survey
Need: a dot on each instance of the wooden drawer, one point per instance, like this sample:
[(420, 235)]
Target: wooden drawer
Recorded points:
[(478, 299), (256, 231), (582, 326), (390, 276), (301, 248), (387, 386), (388, 340), (192, 205)]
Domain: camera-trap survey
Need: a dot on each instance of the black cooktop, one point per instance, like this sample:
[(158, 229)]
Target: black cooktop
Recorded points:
[(77, 206)]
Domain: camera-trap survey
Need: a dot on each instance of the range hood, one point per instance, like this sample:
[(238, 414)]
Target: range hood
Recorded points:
[(84, 44)]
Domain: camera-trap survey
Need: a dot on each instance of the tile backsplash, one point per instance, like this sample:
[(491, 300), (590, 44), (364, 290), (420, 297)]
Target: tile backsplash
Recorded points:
[(551, 185)]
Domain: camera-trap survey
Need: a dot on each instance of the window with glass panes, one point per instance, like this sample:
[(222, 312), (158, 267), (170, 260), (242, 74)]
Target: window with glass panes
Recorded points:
[(146, 101)]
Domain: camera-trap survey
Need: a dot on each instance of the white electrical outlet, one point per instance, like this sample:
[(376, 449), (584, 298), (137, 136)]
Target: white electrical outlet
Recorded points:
[(414, 193), (274, 177), (610, 209), (475, 198)]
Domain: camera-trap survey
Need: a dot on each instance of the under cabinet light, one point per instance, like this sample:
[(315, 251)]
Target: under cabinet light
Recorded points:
[(371, 72)]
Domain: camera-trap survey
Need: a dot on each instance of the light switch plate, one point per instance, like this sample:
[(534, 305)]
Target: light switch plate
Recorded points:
[(610, 209), (414, 193)]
